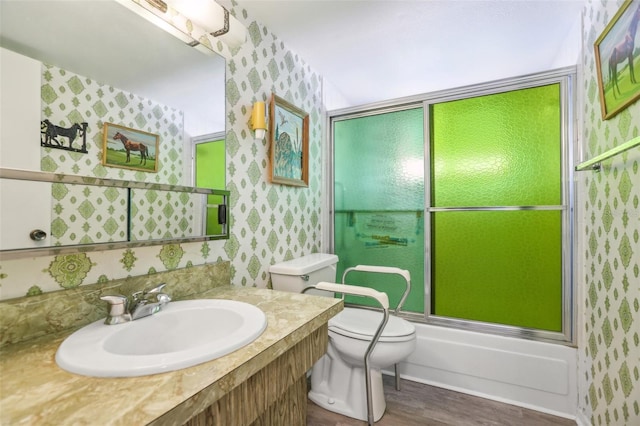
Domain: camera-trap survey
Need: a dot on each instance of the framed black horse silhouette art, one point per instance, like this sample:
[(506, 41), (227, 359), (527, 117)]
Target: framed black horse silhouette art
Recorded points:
[(52, 136)]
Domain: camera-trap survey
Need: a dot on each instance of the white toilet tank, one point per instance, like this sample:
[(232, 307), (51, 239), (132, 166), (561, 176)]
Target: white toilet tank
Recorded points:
[(297, 274)]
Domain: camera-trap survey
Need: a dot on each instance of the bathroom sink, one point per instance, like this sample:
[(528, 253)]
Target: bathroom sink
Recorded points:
[(181, 335)]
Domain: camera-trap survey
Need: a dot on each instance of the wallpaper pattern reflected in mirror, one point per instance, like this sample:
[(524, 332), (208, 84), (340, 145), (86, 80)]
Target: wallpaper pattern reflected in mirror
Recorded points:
[(113, 66)]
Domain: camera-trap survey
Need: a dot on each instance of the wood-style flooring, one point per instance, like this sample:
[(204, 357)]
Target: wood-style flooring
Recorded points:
[(423, 405)]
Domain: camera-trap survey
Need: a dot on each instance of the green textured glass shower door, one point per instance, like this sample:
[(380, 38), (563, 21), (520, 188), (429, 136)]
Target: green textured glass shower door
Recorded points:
[(496, 209), (379, 201)]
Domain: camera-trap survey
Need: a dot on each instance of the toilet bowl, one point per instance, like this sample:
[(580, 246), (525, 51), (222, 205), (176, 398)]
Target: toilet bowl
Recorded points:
[(338, 379)]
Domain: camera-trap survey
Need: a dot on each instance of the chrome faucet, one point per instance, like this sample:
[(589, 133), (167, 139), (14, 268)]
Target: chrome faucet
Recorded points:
[(141, 304), (148, 302)]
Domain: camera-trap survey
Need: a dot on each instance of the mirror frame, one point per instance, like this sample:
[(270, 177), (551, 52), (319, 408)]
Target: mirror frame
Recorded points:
[(34, 176)]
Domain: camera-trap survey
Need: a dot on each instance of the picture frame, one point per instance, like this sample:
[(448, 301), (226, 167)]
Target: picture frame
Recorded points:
[(120, 145), (289, 143), (618, 60)]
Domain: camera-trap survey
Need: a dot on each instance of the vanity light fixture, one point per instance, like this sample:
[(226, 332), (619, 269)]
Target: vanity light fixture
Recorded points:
[(259, 120), (208, 15)]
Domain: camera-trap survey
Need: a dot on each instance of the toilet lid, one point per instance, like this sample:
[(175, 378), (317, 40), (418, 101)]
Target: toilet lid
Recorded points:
[(363, 323)]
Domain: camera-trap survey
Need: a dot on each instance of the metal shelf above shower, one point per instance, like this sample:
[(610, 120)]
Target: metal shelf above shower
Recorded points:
[(148, 213), (595, 162)]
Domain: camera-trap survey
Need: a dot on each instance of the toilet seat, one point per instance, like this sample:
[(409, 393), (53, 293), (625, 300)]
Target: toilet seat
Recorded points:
[(362, 324)]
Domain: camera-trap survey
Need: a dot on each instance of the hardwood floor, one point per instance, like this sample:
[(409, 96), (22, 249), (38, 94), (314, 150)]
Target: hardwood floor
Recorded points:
[(423, 405)]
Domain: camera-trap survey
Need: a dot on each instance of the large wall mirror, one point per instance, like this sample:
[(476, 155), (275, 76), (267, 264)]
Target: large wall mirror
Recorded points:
[(97, 62)]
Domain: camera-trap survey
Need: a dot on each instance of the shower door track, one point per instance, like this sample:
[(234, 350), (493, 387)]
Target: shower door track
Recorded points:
[(494, 208)]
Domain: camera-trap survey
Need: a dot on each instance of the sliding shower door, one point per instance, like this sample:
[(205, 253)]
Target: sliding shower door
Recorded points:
[(379, 200), (496, 208), (470, 191)]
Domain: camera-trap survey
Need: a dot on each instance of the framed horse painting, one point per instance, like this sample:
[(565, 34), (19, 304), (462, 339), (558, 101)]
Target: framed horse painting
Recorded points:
[(129, 148), (289, 143), (617, 54)]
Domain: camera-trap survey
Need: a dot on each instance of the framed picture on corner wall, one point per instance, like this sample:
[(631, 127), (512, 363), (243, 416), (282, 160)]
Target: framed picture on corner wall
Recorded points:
[(129, 148), (617, 53), (289, 143)]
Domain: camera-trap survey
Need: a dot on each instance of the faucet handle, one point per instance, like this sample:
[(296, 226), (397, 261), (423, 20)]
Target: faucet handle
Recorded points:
[(156, 289), (141, 296), (117, 309), (152, 290)]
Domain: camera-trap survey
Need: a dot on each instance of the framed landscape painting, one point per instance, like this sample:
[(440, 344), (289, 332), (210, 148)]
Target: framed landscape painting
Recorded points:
[(289, 142), (129, 148), (617, 53)]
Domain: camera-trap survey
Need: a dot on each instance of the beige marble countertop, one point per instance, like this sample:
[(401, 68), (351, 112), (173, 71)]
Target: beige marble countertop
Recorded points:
[(34, 390)]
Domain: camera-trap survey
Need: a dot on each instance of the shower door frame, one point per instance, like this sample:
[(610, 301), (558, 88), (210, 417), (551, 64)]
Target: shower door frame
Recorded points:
[(565, 78)]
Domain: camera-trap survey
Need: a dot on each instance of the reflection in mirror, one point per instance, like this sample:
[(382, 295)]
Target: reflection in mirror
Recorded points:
[(113, 66), (84, 214), (209, 172), (140, 214), (166, 214), (112, 45)]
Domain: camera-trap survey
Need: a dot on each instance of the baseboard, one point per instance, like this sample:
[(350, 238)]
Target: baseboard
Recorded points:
[(581, 419), (487, 396)]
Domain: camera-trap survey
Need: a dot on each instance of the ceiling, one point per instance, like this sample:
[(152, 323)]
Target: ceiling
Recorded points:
[(377, 50)]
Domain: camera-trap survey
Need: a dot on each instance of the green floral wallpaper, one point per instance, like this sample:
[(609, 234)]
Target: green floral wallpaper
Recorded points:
[(269, 223), (84, 214), (609, 226), (69, 98)]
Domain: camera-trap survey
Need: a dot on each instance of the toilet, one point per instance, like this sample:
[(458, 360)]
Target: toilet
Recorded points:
[(338, 378)]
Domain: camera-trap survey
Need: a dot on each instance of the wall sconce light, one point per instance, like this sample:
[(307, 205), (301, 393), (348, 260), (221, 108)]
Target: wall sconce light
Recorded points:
[(210, 16), (259, 120)]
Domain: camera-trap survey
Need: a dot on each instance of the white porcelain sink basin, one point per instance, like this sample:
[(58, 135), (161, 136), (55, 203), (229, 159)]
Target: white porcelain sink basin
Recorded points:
[(181, 335)]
